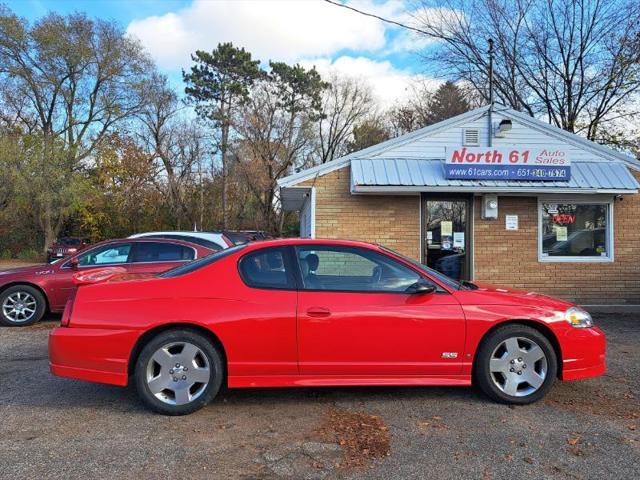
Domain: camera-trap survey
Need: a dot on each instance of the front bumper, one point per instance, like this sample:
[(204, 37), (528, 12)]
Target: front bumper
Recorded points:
[(583, 353), (92, 354)]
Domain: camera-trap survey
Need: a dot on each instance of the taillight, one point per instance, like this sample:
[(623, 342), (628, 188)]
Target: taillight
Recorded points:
[(68, 308)]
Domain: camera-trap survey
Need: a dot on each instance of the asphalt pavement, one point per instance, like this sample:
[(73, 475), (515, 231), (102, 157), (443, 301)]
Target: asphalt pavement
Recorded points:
[(61, 428)]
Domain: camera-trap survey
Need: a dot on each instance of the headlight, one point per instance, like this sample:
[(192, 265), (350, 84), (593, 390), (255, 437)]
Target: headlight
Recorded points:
[(72, 250), (578, 318)]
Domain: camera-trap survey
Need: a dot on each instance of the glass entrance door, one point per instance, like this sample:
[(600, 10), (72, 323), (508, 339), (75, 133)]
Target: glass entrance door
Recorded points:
[(446, 235)]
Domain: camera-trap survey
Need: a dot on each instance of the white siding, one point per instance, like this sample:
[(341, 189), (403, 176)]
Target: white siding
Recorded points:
[(305, 219), (434, 145)]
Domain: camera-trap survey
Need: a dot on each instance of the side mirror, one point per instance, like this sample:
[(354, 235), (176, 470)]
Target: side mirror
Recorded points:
[(421, 287), (74, 263)]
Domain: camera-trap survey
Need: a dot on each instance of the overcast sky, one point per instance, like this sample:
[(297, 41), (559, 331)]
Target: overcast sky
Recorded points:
[(311, 32)]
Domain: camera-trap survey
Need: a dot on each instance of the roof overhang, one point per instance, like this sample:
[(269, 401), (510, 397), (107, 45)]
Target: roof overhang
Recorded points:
[(404, 190), (386, 176), (294, 198)]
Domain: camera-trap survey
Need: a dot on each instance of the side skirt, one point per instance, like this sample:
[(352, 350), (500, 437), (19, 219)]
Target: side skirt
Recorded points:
[(346, 381)]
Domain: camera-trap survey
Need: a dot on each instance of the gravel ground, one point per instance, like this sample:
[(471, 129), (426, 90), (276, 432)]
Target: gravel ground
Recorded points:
[(61, 428)]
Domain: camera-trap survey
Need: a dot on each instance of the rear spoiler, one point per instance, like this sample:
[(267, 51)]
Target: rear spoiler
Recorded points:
[(97, 275)]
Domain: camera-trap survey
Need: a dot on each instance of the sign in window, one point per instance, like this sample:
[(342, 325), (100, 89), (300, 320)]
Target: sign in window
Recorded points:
[(575, 230)]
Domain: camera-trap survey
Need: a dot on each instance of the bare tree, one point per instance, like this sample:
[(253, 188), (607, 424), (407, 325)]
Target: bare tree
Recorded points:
[(403, 119), (571, 60), (276, 127), (370, 131), (68, 80), (346, 102), (176, 142)]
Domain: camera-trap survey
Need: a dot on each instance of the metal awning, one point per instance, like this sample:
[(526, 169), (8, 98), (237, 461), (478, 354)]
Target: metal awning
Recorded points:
[(294, 198), (401, 176)]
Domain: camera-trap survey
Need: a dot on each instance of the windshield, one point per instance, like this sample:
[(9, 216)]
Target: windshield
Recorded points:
[(449, 282), (201, 262), (69, 241)]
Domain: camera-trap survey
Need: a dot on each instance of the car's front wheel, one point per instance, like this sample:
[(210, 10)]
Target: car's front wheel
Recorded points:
[(515, 364), (21, 305), (178, 372)]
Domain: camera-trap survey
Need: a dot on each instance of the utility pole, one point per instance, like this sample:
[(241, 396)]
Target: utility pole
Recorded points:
[(490, 114)]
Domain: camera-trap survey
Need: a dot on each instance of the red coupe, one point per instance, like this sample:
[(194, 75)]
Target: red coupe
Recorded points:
[(282, 313), (27, 293)]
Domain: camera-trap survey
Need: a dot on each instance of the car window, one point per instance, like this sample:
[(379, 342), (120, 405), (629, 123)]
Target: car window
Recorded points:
[(203, 242), (266, 269), (115, 253), (146, 252), (352, 269), (200, 263), (69, 241), (449, 282)]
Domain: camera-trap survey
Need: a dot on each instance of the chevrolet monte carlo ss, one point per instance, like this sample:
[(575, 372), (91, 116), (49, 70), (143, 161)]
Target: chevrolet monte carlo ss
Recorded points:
[(298, 312)]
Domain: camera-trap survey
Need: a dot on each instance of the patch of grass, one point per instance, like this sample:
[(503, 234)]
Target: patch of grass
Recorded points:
[(29, 255)]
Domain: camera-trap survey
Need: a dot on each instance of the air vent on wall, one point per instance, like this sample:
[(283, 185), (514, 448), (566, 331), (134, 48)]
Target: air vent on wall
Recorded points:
[(471, 137)]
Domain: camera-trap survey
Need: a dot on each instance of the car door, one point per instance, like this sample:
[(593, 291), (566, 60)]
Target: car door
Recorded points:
[(356, 318), (268, 311), (109, 255), (155, 257)]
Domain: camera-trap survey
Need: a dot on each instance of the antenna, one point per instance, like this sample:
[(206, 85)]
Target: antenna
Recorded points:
[(489, 115), (490, 72)]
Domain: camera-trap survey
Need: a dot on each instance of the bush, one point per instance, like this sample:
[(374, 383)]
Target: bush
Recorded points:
[(29, 255)]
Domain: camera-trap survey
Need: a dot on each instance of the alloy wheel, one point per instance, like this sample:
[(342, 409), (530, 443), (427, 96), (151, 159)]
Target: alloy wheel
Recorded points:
[(518, 366), (19, 307), (178, 373)]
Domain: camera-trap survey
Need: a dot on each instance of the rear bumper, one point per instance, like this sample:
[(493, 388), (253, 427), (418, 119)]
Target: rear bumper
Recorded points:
[(583, 353), (96, 355)]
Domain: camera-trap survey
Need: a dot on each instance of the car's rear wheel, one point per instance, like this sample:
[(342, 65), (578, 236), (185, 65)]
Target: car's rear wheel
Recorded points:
[(21, 305), (515, 364), (178, 372)]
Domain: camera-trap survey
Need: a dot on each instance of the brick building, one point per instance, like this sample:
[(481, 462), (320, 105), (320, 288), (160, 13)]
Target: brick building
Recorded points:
[(489, 196)]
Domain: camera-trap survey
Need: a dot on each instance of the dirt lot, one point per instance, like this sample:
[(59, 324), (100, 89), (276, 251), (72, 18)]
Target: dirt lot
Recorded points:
[(58, 428)]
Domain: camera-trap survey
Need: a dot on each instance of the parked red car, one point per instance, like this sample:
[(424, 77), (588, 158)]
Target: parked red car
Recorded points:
[(281, 313), (65, 246), (27, 293)]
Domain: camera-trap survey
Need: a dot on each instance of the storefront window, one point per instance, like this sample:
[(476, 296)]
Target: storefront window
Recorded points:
[(575, 231)]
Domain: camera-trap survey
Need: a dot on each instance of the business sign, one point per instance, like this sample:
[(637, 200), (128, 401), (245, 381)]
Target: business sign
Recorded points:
[(508, 163)]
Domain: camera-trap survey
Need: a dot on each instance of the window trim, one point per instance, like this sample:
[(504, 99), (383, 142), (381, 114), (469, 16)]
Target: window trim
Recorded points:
[(608, 201), (288, 269), (188, 238), (302, 288)]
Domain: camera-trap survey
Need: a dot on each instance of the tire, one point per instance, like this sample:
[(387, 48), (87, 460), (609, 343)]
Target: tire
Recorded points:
[(178, 372), (31, 302), (511, 349)]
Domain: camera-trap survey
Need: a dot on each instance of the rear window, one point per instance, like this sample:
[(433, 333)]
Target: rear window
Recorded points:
[(200, 263), (203, 242), (147, 252)]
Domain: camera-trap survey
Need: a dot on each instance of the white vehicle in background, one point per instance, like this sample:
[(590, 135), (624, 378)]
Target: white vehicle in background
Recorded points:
[(212, 240)]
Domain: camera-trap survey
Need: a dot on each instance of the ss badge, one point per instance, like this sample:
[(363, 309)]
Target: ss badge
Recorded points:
[(449, 354)]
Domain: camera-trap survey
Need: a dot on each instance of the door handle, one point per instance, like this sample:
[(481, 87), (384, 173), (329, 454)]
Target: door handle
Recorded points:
[(318, 312)]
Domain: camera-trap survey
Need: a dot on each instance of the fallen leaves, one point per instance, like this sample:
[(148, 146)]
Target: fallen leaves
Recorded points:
[(362, 436), (573, 441), (435, 422)]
